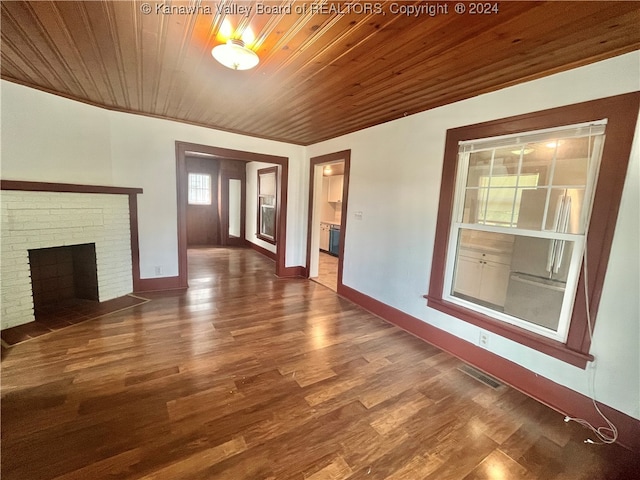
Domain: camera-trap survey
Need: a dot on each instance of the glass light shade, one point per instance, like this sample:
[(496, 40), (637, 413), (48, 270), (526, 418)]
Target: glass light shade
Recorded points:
[(235, 55)]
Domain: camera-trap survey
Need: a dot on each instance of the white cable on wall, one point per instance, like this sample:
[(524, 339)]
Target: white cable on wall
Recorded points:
[(606, 434)]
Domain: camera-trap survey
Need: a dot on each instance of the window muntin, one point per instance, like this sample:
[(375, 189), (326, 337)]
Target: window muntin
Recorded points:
[(499, 197), (199, 191), (518, 229)]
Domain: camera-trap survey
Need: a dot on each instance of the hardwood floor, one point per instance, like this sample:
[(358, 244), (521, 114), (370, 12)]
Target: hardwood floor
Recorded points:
[(327, 271), (247, 376), (63, 315)]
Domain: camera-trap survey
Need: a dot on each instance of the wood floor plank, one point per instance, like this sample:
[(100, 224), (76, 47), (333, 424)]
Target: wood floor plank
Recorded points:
[(248, 376), (418, 467), (194, 464), (344, 383), (118, 466), (336, 470), (327, 271), (394, 415), (499, 464)]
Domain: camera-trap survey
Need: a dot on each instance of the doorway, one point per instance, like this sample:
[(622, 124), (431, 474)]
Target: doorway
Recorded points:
[(231, 223), (203, 219), (328, 198), (216, 203)]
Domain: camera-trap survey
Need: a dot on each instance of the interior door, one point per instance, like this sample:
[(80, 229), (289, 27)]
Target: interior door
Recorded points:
[(232, 205)]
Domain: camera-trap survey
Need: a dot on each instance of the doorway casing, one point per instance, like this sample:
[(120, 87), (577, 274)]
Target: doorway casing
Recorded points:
[(344, 156), (182, 149)]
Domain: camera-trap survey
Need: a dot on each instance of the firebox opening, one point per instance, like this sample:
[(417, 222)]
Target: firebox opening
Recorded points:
[(60, 275)]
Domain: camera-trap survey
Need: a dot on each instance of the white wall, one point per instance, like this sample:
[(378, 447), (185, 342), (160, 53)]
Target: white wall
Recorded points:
[(388, 252), (49, 138)]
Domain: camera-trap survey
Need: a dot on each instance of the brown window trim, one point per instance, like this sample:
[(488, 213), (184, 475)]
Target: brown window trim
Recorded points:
[(274, 240), (621, 112)]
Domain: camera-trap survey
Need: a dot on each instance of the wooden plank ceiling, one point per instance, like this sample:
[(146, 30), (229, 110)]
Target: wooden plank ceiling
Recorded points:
[(323, 72)]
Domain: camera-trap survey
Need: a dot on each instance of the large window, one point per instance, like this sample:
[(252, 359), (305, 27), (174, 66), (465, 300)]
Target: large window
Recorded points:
[(522, 199), (519, 222)]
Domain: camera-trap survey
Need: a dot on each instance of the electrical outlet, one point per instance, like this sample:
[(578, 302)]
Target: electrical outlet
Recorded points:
[(483, 341), (158, 270)]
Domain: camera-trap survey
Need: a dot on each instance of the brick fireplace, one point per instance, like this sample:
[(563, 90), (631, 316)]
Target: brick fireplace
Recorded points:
[(87, 225)]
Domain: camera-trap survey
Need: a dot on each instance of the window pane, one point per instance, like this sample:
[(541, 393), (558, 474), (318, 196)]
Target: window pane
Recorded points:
[(538, 160), (497, 201), (572, 161), (565, 209), (506, 161), (535, 300), (531, 208), (268, 221), (199, 191), (498, 204), (482, 267), (513, 186), (267, 184), (479, 165), (521, 276), (537, 282)]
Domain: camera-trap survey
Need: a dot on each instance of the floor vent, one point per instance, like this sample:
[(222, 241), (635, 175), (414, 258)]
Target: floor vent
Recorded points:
[(481, 377)]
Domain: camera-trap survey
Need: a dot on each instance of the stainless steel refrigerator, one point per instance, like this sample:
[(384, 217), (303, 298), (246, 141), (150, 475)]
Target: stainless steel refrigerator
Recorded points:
[(539, 266)]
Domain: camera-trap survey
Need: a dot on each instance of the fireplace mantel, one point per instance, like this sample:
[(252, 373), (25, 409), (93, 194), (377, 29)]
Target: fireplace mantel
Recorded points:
[(65, 187)]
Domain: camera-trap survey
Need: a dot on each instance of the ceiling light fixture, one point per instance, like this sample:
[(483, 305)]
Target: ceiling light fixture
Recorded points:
[(525, 151), (235, 55)]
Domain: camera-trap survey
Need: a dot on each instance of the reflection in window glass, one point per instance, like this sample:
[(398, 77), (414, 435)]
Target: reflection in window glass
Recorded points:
[(522, 205), (500, 197), (267, 205), (268, 220), (521, 276)]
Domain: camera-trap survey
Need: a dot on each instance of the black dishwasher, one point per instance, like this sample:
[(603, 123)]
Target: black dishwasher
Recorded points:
[(334, 240)]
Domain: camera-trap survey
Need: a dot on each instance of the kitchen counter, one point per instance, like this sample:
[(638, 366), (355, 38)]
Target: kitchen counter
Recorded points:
[(484, 242)]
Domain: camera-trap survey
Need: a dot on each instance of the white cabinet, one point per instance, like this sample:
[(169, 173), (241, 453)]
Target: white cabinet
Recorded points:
[(483, 276), (468, 276), (494, 282), (334, 193), (324, 236)]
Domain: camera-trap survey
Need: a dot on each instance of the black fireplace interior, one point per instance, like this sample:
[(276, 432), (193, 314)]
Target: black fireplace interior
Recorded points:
[(60, 275)]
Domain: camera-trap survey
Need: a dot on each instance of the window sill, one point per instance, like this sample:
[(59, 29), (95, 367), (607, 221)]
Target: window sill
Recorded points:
[(266, 239), (550, 347)]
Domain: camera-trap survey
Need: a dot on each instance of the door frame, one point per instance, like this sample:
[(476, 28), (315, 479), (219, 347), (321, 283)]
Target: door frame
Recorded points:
[(182, 149), (345, 156)]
